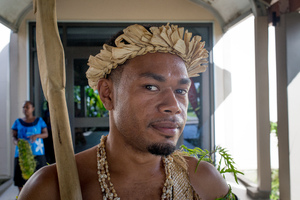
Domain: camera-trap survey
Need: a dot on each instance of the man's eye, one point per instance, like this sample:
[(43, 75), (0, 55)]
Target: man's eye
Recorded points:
[(181, 91), (151, 87)]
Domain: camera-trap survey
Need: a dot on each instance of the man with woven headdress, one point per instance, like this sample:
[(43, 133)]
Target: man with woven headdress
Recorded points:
[(143, 79)]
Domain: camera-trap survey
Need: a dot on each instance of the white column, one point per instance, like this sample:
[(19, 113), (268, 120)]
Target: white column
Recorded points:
[(262, 106), (282, 109)]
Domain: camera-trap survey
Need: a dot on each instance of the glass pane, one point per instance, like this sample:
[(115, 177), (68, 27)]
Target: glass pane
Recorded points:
[(87, 102), (202, 31), (89, 36), (192, 132), (88, 137)]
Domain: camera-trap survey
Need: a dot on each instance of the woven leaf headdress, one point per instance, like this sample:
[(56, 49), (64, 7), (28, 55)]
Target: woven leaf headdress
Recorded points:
[(139, 41)]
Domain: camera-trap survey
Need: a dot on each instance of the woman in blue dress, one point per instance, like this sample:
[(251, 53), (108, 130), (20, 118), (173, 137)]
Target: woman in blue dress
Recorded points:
[(34, 130)]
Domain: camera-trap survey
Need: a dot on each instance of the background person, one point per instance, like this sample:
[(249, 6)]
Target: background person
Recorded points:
[(32, 129)]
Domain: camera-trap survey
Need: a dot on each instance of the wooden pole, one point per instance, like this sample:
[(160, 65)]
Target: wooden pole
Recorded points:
[(52, 72)]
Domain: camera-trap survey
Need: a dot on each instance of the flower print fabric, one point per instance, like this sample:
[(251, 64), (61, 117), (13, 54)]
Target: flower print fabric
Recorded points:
[(25, 130)]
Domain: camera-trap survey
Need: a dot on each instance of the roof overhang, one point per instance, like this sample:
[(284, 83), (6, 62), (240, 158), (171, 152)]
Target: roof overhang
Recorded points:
[(227, 12)]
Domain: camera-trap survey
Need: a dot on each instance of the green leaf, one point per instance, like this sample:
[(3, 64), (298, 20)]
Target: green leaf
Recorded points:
[(228, 196), (226, 159)]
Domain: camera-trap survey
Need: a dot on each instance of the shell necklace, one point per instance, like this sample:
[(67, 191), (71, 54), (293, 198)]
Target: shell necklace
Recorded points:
[(107, 188)]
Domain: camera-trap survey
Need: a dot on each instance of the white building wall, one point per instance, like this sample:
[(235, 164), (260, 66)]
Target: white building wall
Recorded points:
[(5, 132), (288, 83), (293, 92), (235, 115)]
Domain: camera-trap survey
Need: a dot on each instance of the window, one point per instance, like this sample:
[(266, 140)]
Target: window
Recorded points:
[(85, 108)]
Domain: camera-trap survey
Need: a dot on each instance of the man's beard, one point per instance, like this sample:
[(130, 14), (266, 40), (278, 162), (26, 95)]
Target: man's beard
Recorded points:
[(160, 149)]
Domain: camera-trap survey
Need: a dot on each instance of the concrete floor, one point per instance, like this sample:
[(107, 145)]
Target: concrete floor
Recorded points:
[(10, 193)]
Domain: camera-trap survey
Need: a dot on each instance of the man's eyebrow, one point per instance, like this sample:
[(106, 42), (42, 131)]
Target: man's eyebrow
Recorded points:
[(160, 78), (185, 81), (157, 77)]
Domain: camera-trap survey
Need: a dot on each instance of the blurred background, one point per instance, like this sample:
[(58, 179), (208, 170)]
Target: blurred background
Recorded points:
[(251, 86)]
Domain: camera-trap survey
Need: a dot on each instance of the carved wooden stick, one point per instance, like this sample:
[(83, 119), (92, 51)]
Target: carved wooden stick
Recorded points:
[(52, 72)]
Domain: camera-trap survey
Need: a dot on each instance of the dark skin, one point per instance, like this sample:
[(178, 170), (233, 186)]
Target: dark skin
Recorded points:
[(147, 106), (28, 109)]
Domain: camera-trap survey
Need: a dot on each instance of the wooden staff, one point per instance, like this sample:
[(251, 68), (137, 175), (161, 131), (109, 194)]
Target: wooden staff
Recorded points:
[(52, 72)]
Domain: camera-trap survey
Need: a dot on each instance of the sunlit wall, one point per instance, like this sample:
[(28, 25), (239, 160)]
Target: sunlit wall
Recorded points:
[(235, 113), (4, 101)]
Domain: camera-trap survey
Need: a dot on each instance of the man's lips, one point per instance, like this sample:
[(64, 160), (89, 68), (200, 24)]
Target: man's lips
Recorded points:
[(166, 128)]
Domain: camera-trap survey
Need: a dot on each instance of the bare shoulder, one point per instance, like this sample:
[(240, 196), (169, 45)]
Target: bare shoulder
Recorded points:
[(44, 183), (41, 184), (206, 180), (87, 158)]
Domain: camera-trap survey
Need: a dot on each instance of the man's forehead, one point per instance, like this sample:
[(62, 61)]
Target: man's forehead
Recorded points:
[(153, 59), (158, 66)]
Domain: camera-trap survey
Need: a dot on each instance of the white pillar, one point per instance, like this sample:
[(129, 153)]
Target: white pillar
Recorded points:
[(282, 109), (262, 106)]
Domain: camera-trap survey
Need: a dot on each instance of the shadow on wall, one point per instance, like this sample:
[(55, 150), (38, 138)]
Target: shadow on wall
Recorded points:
[(222, 85), (293, 43)]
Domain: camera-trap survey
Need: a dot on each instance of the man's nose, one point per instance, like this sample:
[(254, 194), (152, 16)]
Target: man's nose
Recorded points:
[(169, 103)]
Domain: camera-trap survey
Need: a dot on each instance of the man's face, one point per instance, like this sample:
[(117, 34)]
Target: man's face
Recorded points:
[(150, 102)]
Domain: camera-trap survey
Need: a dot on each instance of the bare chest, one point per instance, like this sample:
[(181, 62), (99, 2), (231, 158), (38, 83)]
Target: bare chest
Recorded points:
[(140, 190), (126, 190)]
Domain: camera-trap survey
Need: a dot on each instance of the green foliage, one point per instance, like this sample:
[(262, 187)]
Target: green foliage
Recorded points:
[(225, 165), (26, 159), (275, 185), (275, 177), (273, 128), (229, 196), (94, 105)]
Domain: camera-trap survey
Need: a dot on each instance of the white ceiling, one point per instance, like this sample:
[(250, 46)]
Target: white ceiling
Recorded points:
[(12, 12), (228, 12)]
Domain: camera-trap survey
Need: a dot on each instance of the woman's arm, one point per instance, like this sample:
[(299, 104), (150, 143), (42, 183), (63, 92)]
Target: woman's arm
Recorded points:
[(44, 134), (15, 137)]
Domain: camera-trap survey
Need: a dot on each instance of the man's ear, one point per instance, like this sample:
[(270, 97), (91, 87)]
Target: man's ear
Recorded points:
[(106, 93)]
